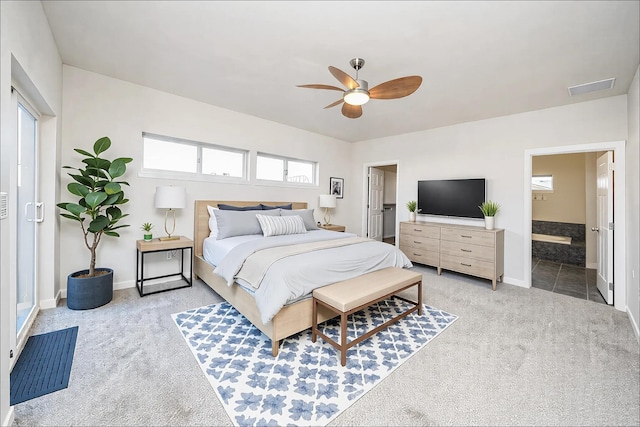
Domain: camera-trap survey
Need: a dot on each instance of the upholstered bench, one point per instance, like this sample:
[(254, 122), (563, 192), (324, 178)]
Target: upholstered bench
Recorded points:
[(350, 296)]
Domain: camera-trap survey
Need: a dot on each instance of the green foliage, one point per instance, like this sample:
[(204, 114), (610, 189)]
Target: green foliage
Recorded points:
[(100, 196), (147, 226), (412, 205), (489, 208)]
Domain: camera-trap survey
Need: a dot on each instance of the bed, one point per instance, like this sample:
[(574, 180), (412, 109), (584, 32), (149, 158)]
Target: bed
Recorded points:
[(293, 317)]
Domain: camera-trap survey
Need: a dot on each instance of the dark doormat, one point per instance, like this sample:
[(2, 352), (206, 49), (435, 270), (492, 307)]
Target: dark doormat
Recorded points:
[(44, 365)]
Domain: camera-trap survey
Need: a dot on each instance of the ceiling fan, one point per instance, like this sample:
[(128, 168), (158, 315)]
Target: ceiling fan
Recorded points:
[(358, 92)]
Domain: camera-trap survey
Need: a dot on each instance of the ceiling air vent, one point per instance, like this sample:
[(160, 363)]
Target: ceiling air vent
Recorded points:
[(592, 87)]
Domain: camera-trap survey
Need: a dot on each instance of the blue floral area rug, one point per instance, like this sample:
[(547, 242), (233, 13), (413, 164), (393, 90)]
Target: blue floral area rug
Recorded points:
[(305, 384)]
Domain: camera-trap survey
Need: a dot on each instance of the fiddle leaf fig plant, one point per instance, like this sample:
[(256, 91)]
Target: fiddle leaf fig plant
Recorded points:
[(100, 195)]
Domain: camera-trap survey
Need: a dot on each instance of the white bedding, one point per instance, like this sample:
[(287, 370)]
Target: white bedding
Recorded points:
[(294, 277)]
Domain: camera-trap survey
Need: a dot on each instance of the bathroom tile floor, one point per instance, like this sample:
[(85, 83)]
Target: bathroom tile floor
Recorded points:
[(578, 282)]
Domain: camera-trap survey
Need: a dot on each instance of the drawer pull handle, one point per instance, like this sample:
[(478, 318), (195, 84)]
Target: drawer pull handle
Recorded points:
[(416, 254), (466, 237), (465, 250), (466, 265), (417, 229), (416, 242)]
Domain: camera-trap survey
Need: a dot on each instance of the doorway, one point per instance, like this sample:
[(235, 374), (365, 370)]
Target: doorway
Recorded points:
[(28, 215), (617, 273), (380, 220)]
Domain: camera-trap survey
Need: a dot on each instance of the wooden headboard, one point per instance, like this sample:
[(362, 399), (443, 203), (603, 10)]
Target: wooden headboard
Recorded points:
[(201, 217)]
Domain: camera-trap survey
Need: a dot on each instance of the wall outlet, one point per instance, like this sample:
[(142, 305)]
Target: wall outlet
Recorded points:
[(169, 255)]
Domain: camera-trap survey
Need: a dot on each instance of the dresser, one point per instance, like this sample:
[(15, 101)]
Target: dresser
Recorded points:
[(462, 248)]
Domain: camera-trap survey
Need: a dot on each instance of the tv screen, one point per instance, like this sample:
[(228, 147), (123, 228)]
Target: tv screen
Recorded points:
[(452, 197)]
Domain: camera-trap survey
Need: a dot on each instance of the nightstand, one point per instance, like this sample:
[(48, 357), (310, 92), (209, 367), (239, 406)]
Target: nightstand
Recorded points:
[(157, 245), (334, 227)]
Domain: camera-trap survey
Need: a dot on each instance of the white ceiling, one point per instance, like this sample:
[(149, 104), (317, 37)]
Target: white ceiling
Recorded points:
[(478, 59)]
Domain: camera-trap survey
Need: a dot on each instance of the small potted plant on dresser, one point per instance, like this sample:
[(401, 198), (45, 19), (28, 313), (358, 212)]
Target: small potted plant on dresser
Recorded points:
[(146, 227), (489, 210), (412, 205), (97, 211)]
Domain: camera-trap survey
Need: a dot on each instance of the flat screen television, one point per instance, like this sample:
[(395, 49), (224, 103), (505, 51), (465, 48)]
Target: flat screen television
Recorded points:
[(452, 197)]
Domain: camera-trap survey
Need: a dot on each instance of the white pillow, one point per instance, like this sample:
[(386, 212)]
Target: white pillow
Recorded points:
[(281, 225), (213, 223)]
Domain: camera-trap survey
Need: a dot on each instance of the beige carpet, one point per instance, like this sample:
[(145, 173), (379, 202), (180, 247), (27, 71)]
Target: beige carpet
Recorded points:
[(514, 357)]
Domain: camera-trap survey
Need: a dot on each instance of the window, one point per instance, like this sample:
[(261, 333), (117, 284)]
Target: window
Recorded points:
[(165, 156), (282, 169), (542, 183)]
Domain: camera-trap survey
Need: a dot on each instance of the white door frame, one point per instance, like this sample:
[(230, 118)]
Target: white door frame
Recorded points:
[(365, 192), (619, 186)]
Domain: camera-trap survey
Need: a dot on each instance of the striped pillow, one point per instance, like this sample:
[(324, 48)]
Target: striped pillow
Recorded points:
[(280, 225)]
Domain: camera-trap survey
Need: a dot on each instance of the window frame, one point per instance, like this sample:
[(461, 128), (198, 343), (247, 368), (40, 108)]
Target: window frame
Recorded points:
[(284, 182), (198, 175), (542, 190)]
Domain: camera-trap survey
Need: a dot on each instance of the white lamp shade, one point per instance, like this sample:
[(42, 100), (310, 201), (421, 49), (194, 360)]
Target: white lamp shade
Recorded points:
[(169, 197), (327, 201)]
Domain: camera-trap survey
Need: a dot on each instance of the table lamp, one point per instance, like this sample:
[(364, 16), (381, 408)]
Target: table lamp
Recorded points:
[(327, 201), (170, 198)]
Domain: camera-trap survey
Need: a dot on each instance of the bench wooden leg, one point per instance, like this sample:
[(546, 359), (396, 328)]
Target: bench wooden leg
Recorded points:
[(314, 325), (343, 339), (420, 298)]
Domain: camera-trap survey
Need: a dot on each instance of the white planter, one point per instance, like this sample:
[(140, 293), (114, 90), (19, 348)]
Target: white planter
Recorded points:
[(489, 222), (412, 216)]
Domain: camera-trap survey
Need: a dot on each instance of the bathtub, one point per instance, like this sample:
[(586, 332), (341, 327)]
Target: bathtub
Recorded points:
[(563, 240)]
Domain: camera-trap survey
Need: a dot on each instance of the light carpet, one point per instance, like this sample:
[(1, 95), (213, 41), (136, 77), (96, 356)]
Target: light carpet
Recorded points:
[(305, 384)]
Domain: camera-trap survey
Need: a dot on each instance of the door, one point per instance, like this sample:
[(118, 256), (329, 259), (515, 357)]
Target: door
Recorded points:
[(28, 215), (604, 228), (375, 206)]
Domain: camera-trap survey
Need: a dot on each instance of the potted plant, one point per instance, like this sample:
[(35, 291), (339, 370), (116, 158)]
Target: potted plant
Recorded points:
[(412, 205), (147, 226), (98, 213), (489, 210)]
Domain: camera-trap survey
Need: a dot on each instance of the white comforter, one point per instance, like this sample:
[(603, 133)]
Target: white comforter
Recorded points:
[(296, 276)]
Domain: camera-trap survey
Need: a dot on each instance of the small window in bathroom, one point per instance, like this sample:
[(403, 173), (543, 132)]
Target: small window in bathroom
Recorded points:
[(542, 183)]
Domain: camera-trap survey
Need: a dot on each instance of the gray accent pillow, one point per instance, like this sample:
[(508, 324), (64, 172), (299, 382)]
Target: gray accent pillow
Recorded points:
[(238, 208), (239, 223), (306, 214)]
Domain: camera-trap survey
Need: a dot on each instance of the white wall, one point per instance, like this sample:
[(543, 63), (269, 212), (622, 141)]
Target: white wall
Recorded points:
[(493, 149), (96, 106), (28, 54), (633, 201)]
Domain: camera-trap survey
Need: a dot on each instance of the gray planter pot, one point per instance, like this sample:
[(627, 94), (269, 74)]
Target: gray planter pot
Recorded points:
[(84, 293)]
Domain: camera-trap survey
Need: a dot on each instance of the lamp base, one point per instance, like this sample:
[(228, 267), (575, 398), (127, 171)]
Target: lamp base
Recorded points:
[(164, 239)]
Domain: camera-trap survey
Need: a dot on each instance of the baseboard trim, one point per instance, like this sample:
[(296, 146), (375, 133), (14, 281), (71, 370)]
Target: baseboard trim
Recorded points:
[(52, 302), (634, 325), (515, 282), (8, 420), (592, 265)]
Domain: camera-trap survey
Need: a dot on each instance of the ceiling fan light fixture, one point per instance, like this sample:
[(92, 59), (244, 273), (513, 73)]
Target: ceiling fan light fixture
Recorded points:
[(356, 96)]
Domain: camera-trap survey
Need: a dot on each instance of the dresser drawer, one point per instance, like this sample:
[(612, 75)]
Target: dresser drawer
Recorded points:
[(417, 229), (466, 250), (470, 266), (419, 242), (421, 256), (482, 238)]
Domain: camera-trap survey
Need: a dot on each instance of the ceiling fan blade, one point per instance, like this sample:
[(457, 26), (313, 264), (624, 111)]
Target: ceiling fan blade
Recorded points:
[(343, 78), (351, 111), (338, 102), (397, 88), (322, 87)]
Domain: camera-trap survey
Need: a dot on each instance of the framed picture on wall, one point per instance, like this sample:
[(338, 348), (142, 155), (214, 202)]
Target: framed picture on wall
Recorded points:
[(336, 187)]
